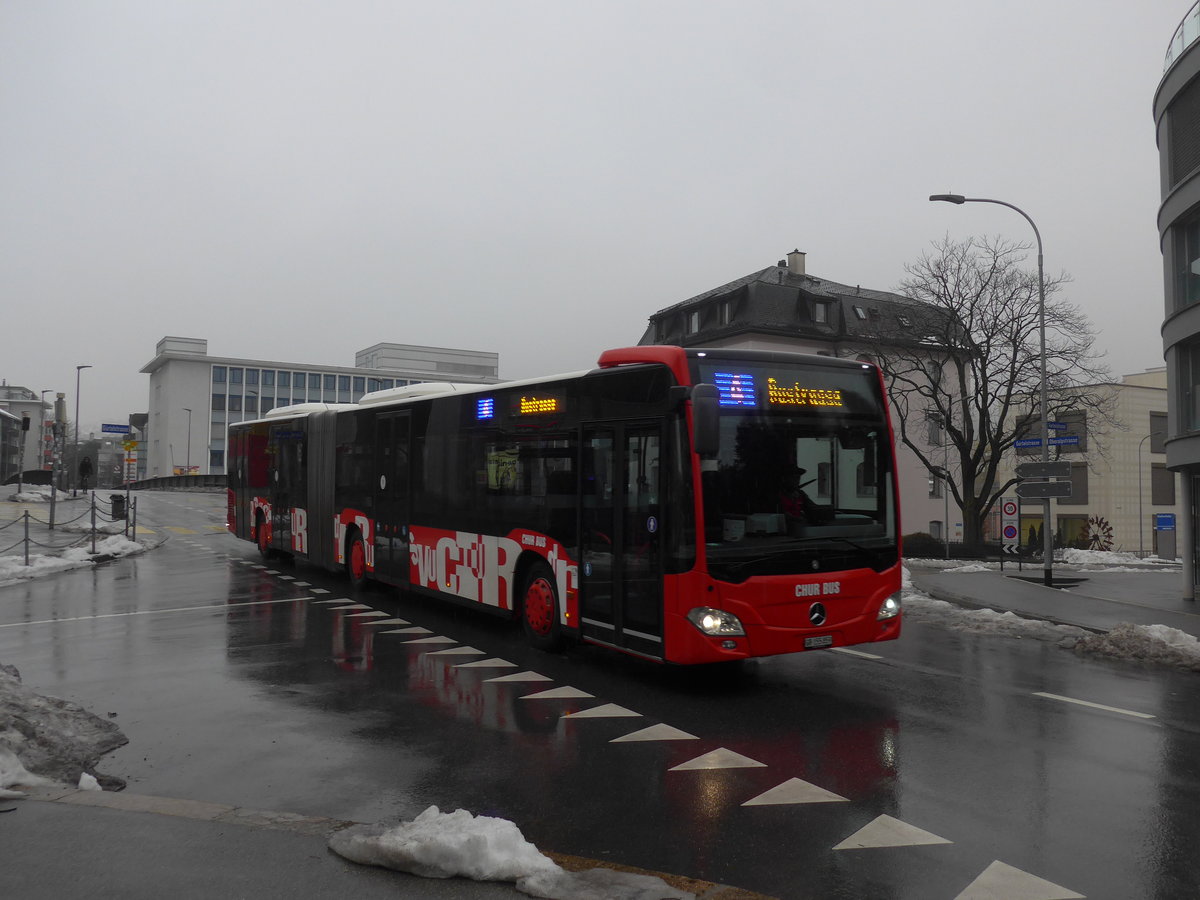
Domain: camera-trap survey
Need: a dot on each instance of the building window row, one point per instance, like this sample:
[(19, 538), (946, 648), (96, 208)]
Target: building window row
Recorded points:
[(237, 378), (240, 393), (270, 388)]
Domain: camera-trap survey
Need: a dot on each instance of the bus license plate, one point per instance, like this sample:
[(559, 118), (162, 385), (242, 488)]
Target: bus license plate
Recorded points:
[(824, 640)]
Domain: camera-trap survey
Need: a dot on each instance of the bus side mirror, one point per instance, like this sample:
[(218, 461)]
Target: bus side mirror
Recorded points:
[(706, 422)]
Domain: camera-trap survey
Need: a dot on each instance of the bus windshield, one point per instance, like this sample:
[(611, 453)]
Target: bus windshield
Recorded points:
[(803, 478)]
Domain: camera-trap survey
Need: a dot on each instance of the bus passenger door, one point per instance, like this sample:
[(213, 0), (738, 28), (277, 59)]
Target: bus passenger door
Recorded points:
[(391, 489), (621, 598), (285, 449)]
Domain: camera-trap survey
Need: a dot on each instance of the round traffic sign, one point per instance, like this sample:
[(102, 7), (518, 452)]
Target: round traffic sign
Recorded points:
[(1010, 532), (1009, 507)]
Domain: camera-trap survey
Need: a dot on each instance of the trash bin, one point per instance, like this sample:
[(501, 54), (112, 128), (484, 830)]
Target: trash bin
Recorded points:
[(118, 505)]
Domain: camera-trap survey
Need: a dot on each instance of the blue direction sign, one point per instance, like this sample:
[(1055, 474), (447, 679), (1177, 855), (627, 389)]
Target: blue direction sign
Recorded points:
[(115, 429), (1069, 439), (1164, 521), (1028, 442)]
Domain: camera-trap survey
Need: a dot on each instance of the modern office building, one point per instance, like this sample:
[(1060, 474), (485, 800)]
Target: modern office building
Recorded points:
[(194, 396), (1177, 125)]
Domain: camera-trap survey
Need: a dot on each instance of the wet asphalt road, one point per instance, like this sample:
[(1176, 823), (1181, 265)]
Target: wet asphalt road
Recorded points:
[(239, 682)]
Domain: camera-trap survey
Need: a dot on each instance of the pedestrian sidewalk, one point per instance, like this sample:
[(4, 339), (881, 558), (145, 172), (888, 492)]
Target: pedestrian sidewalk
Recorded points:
[(133, 846), (30, 548), (1093, 599)]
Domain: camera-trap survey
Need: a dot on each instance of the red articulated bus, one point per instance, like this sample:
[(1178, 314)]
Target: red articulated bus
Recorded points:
[(682, 505)]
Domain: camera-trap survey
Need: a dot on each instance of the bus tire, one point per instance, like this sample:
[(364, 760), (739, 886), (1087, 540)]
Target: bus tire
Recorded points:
[(540, 608), (262, 536), (356, 560)]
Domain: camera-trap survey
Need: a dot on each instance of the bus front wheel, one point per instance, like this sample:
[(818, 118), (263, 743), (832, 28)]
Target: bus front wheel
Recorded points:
[(356, 560), (539, 609)]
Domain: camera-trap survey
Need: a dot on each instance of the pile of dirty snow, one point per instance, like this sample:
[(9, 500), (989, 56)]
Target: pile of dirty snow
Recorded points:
[(920, 607), (13, 568), (1109, 558), (1146, 643), (83, 526), (44, 738), (447, 845), (33, 493)]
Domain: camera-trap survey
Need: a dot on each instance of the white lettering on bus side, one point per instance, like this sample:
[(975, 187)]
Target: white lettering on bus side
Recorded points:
[(299, 529), (476, 567), (566, 577), (422, 559), (259, 504)]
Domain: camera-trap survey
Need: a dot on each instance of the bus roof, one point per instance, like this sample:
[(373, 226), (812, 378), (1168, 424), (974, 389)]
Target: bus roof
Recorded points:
[(420, 389), (438, 388), (301, 409)]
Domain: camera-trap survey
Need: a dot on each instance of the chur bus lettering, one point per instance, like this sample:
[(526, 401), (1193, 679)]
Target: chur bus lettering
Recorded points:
[(662, 504)]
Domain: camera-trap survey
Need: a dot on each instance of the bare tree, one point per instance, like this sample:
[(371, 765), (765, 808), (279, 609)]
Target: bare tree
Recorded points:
[(971, 364)]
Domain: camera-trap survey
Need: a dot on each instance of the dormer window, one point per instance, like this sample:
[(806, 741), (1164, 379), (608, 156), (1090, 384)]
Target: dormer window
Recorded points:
[(860, 313), (821, 312), (726, 310), (693, 321)]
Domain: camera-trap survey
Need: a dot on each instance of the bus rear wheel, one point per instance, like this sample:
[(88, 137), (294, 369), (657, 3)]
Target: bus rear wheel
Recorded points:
[(356, 560), (539, 609)]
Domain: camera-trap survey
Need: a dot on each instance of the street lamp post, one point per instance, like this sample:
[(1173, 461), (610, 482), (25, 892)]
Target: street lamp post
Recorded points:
[(1141, 523), (1047, 535), (188, 471), (73, 474)]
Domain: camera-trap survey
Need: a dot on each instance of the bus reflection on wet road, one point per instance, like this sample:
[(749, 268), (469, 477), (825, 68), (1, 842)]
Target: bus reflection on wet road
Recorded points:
[(270, 686)]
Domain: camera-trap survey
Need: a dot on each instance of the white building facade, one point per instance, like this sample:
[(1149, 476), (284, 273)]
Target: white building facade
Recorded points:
[(36, 449), (194, 397), (1121, 487)]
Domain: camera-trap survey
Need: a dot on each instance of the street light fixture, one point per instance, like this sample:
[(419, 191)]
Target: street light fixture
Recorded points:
[(189, 442), (1141, 523), (75, 452), (1047, 535)]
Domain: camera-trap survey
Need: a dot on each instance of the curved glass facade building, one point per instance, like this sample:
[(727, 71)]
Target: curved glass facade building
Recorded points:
[(1177, 125)]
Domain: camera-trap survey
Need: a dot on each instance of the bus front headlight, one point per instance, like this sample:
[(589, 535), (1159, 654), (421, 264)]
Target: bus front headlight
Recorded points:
[(716, 622), (890, 608)]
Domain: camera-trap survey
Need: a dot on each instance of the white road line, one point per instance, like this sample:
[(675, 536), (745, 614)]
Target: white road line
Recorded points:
[(1116, 709), (850, 652), (148, 612)]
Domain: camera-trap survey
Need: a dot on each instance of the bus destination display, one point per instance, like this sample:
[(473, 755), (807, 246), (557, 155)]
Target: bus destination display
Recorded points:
[(739, 389), (523, 405)]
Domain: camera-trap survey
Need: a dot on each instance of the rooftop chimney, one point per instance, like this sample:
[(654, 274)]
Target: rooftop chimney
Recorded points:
[(795, 262)]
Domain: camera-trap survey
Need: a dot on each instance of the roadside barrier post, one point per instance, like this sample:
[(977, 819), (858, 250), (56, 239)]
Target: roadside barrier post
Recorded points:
[(93, 524), (26, 517)]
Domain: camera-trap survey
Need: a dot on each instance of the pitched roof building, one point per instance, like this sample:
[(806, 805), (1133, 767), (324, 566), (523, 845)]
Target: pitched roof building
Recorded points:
[(782, 307)]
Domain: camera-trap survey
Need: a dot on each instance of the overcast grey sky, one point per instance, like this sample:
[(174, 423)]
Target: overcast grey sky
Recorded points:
[(298, 180)]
